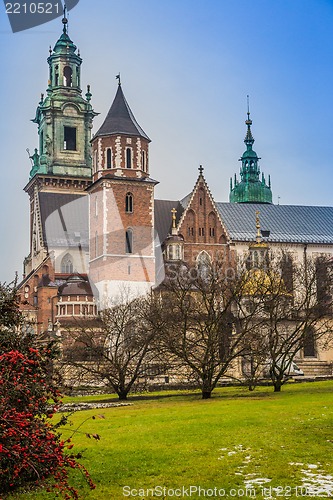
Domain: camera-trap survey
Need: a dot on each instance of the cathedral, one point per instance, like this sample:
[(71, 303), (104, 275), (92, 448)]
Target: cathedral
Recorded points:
[(95, 225)]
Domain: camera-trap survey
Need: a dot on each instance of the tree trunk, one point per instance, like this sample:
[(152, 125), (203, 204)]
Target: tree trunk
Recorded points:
[(206, 394), (277, 386), (122, 395)]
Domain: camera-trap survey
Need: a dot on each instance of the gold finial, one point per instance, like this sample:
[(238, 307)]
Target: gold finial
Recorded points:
[(174, 225), (174, 214), (258, 237)]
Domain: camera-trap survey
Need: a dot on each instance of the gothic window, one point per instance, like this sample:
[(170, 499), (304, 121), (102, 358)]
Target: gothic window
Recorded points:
[(212, 224), (201, 231), (203, 264), (108, 158), (95, 161), (128, 158), (143, 155), (68, 73), (129, 203), (190, 222), (70, 138), (67, 264), (129, 241)]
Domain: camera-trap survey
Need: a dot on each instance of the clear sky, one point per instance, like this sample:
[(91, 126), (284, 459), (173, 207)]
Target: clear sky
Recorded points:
[(186, 68)]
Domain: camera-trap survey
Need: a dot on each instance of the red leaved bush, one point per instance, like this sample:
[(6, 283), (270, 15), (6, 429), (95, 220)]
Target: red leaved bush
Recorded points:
[(31, 449)]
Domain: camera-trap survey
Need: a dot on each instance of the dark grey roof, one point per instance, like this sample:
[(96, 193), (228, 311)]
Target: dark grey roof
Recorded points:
[(286, 223), (64, 219), (120, 119), (163, 218)]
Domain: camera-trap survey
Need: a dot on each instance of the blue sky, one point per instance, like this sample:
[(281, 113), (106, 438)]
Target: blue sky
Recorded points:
[(186, 68)]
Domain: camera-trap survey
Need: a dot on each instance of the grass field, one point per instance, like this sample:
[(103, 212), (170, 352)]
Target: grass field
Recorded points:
[(270, 442)]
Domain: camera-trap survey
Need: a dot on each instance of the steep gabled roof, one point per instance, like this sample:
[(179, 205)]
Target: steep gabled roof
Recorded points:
[(163, 219), (120, 119)]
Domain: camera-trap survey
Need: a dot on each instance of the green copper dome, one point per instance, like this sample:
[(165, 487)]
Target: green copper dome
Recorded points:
[(250, 188)]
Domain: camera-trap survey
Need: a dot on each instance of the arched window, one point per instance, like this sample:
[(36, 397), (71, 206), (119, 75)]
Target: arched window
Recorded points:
[(56, 78), (204, 264), (95, 161), (68, 76), (129, 203), (67, 264), (78, 76), (190, 223), (212, 224), (128, 158), (109, 158), (129, 241), (143, 160)]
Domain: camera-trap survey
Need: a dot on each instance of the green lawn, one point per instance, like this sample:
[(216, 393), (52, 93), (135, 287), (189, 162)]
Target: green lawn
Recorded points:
[(181, 441)]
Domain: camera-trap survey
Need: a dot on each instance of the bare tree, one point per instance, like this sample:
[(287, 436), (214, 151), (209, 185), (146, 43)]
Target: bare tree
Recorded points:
[(200, 318), (295, 302), (114, 349)]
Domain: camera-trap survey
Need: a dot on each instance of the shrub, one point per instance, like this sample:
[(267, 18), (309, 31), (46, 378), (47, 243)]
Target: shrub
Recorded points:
[(31, 449)]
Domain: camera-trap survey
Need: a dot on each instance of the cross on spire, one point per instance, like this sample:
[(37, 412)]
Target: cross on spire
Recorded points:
[(118, 78), (65, 20), (174, 213), (201, 169)]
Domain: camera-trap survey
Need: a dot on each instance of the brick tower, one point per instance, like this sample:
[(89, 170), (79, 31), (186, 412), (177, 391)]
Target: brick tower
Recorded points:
[(122, 256)]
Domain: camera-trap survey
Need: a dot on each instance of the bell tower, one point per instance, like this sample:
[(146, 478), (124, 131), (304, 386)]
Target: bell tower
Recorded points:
[(250, 189), (122, 254), (61, 166), (64, 117)]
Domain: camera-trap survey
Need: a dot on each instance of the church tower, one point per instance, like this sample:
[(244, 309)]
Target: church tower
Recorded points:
[(122, 254), (250, 189), (61, 166)]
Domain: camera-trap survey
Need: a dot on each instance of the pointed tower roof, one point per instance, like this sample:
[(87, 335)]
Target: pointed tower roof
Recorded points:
[(120, 119), (250, 189)]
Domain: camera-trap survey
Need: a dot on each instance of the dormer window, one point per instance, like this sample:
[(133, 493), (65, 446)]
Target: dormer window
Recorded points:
[(128, 158)]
